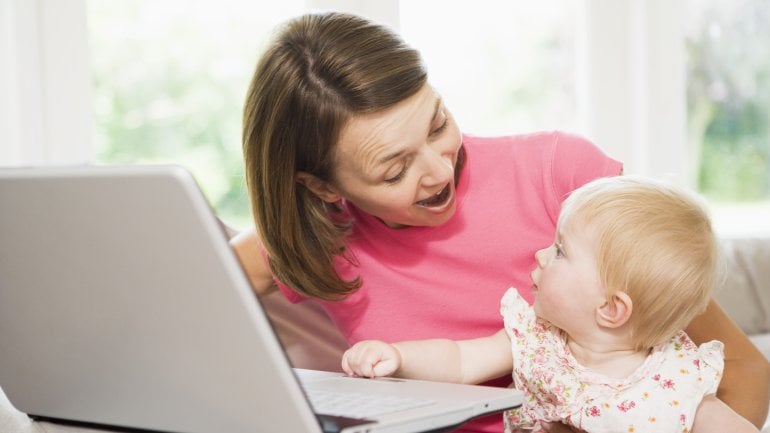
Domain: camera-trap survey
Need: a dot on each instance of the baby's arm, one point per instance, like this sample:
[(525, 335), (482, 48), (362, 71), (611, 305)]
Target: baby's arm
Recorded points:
[(464, 361), (714, 415)]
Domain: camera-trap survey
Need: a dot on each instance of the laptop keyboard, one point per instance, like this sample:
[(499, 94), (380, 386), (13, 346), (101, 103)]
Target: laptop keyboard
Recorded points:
[(356, 405)]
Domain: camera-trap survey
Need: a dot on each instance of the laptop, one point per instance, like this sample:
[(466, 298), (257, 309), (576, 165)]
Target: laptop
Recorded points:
[(122, 306)]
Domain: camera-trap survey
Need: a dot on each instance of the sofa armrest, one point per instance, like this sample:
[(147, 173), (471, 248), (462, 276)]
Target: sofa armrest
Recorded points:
[(744, 287)]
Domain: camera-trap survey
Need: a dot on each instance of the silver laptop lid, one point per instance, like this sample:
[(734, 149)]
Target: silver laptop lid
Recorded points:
[(69, 319)]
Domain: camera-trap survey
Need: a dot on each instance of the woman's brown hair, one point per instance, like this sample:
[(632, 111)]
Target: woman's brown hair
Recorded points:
[(319, 71)]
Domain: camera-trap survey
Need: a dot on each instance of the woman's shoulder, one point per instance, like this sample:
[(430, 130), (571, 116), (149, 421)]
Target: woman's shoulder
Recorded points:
[(544, 145), (536, 138), (554, 151)]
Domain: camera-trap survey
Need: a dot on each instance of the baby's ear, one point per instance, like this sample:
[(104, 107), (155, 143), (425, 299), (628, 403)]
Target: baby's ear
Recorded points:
[(615, 312)]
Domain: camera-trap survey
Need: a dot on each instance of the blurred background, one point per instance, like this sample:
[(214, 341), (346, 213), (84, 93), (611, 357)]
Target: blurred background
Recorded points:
[(674, 88)]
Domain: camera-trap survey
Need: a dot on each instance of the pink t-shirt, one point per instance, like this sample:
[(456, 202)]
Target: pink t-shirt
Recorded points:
[(447, 281)]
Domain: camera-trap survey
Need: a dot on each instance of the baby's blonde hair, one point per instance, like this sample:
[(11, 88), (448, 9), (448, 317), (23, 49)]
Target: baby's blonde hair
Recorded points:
[(654, 242)]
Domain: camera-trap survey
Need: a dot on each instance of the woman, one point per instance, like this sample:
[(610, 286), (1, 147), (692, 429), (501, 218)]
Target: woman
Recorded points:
[(370, 201)]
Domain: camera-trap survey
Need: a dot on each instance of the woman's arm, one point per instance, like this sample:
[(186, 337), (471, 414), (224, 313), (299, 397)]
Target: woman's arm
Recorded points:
[(745, 385), (247, 248), (715, 416)]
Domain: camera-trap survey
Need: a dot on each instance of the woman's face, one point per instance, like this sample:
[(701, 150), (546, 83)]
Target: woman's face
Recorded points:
[(399, 164)]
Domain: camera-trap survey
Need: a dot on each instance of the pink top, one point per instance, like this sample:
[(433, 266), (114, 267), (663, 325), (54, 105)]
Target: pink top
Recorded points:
[(447, 281), (662, 395)]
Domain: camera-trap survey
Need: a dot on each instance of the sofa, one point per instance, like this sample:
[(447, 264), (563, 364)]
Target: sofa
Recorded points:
[(311, 341)]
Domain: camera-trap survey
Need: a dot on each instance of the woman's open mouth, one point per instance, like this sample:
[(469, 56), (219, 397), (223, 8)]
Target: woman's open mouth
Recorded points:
[(438, 199)]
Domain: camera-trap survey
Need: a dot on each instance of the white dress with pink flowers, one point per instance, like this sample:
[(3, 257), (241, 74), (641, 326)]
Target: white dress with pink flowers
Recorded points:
[(662, 395)]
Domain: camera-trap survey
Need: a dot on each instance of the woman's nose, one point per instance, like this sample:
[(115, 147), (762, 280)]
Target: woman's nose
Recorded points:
[(438, 166)]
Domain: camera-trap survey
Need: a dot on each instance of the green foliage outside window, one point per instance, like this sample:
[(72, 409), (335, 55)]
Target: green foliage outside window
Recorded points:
[(728, 45), (170, 78)]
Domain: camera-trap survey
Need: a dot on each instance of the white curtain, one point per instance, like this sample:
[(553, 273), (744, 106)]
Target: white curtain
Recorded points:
[(632, 89), (45, 89)]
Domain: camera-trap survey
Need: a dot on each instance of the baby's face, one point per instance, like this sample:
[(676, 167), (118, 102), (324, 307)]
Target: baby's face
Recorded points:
[(566, 281)]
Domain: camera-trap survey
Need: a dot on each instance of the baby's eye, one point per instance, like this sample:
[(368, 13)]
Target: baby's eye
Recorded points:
[(559, 251)]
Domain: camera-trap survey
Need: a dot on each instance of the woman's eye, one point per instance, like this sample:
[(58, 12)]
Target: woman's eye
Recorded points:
[(397, 177), (441, 128)]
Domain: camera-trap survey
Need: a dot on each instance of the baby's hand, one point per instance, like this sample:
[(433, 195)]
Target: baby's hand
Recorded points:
[(371, 358)]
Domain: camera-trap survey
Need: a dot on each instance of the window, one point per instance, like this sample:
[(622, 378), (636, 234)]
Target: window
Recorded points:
[(170, 77), (503, 67), (169, 82), (169, 86), (728, 48)]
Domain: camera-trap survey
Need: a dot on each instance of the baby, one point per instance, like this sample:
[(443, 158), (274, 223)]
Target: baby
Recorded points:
[(602, 347)]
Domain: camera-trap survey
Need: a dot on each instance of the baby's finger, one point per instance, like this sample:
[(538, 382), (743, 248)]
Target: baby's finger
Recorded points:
[(353, 361), (384, 368), (346, 365)]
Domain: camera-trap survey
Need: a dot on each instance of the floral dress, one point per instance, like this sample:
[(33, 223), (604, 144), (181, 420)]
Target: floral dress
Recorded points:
[(662, 395)]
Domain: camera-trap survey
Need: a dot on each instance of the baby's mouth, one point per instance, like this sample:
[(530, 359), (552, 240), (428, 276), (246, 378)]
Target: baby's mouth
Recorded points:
[(437, 199)]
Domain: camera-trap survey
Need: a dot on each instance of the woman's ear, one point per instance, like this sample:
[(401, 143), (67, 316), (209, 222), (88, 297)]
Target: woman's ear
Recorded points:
[(616, 311), (320, 188)]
